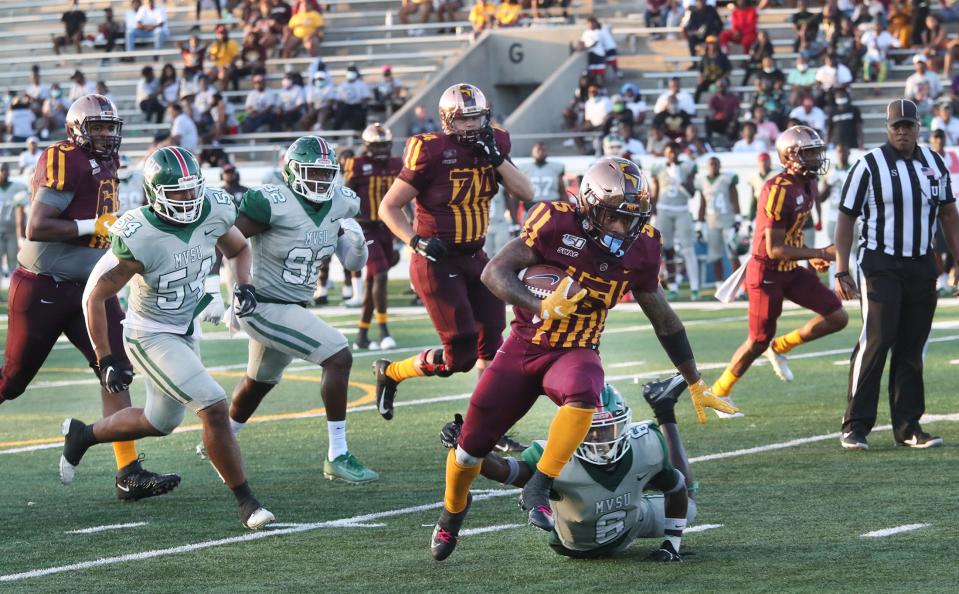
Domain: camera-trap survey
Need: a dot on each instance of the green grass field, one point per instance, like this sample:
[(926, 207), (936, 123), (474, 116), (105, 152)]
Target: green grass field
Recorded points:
[(791, 517)]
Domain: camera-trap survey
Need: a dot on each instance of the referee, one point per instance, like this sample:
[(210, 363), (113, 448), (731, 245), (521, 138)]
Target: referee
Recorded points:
[(898, 190)]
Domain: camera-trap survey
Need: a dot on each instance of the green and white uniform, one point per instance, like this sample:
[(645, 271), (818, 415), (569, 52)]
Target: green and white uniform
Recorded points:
[(286, 263), (545, 181), (673, 218), (719, 210), (601, 510)]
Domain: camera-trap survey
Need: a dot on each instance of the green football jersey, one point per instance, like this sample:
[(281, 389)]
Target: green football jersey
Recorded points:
[(176, 261), (301, 235), (598, 505)]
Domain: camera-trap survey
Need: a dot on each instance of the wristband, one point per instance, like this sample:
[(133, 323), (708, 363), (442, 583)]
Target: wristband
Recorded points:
[(85, 226), (677, 347), (842, 274)]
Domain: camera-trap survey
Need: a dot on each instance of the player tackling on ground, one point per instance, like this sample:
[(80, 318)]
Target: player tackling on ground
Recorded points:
[(774, 273), (553, 345)]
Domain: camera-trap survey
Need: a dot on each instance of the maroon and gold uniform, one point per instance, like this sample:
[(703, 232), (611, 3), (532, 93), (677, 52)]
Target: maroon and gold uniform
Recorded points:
[(371, 178)]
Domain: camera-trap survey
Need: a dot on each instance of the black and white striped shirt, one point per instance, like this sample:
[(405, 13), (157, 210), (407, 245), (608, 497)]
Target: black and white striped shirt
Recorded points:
[(898, 199)]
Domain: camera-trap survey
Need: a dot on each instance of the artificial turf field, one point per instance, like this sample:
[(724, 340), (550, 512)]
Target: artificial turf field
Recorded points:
[(786, 518)]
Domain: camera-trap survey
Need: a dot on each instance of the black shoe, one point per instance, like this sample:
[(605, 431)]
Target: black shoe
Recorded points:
[(661, 395), (385, 389), (921, 440), (852, 440), (321, 300), (535, 500), (74, 447), (133, 482), (507, 445), (447, 528), (416, 300)]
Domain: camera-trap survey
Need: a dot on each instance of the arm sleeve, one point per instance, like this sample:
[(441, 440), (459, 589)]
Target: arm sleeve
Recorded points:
[(855, 188), (58, 200), (256, 206), (416, 160)]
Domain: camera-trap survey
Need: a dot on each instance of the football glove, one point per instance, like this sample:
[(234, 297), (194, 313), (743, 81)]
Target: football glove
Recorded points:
[(213, 312), (737, 224), (486, 147), (702, 399), (665, 554), (559, 304), (450, 434), (431, 248), (101, 227), (244, 300), (113, 377), (354, 233)]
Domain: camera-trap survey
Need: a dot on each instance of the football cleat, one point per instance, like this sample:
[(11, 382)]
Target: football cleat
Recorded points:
[(365, 345), (921, 440), (257, 519), (134, 483), (780, 365), (72, 430), (320, 300), (446, 530), (661, 395), (853, 441), (535, 500), (387, 342), (385, 389), (725, 415), (347, 468), (353, 302), (665, 554), (508, 445)]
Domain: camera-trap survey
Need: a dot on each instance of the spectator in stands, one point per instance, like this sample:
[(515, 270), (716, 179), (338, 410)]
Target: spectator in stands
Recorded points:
[(260, 35), (634, 102), (574, 110), (482, 16), (151, 23), (54, 113), (508, 13), (320, 101), (945, 122), (742, 27), (224, 118), (199, 8), (658, 141), (844, 122), (766, 130), (109, 31), (280, 13), (758, 51), (922, 75), (192, 53), (224, 53), (933, 38), (877, 42), (799, 20), (73, 22), (713, 66), (183, 130), (773, 99), (810, 115), (655, 14), (591, 41), (848, 48), (772, 73), (148, 95), (701, 22), (632, 145), (389, 93), (37, 90), (900, 23), (673, 120), (446, 13), (422, 122), (723, 117), (291, 100), (694, 145), (610, 49), (618, 116), (352, 97), (830, 77), (800, 79), (260, 106), (81, 86), (305, 31), (748, 143), (595, 110), (169, 84), (20, 119), (102, 89), (422, 9), (203, 102), (28, 158), (924, 105), (683, 99), (130, 22), (828, 23)]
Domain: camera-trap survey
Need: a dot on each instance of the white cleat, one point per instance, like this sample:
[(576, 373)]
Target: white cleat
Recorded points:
[(387, 343), (353, 302), (67, 471), (258, 519), (780, 365), (723, 415)]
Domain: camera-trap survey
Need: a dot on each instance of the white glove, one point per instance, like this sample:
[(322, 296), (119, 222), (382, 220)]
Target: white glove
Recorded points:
[(213, 312), (354, 234)]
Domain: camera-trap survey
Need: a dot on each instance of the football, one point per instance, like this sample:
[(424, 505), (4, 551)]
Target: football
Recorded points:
[(543, 279)]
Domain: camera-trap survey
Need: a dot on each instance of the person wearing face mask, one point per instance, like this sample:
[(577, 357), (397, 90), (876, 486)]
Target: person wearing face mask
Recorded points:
[(352, 97), (801, 78), (758, 51), (673, 120), (844, 122), (291, 101), (260, 106), (320, 98), (809, 114), (771, 72), (832, 76)]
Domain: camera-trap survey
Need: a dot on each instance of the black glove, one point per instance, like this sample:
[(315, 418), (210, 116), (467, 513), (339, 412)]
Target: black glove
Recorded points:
[(486, 147), (431, 248), (450, 434), (244, 300), (113, 376), (665, 554)]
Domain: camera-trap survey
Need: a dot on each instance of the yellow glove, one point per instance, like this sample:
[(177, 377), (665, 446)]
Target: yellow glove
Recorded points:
[(102, 226), (559, 304), (703, 398)]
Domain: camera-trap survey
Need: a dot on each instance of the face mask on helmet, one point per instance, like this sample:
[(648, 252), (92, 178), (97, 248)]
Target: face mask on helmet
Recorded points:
[(608, 438), (464, 113), (614, 198), (180, 203), (100, 135), (813, 160), (466, 129), (313, 181)]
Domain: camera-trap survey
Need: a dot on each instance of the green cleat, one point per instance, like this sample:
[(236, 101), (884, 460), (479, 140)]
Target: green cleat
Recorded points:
[(347, 468)]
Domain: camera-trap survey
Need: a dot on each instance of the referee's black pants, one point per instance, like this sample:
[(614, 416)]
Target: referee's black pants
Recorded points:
[(898, 297)]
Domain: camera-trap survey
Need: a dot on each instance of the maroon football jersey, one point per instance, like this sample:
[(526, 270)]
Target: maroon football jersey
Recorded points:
[(65, 167), (554, 231), (785, 202), (455, 187), (370, 179)]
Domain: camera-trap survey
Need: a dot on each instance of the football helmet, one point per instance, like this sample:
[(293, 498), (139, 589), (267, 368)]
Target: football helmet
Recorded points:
[(608, 438), (87, 110), (174, 169), (378, 141), (613, 145), (464, 112), (802, 151), (614, 188), (310, 168)]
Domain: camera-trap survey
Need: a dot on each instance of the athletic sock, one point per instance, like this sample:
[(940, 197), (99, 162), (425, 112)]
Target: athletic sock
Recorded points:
[(336, 430), (124, 451), (724, 385), (786, 343), (403, 370), (566, 432), (357, 286), (381, 318), (459, 478), (245, 499), (364, 329), (235, 426)]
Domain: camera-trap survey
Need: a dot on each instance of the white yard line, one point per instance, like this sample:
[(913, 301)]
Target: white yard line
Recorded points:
[(623, 364), (96, 529), (701, 528), (486, 529), (896, 530)]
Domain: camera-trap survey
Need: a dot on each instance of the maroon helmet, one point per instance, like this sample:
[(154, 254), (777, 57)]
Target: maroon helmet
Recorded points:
[(614, 188), (87, 110), (378, 141), (462, 103)]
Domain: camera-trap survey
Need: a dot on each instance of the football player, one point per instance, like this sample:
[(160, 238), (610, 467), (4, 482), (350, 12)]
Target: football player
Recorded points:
[(672, 191), (167, 249), (130, 190), (293, 228), (370, 175), (453, 175), (553, 346), (773, 273), (74, 201), (719, 214), (599, 509)]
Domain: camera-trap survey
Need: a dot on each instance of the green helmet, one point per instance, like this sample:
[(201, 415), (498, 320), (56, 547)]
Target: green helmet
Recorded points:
[(310, 168), (174, 169), (608, 437)]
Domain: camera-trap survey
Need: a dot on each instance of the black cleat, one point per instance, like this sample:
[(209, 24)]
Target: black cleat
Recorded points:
[(921, 440), (74, 447), (852, 440), (320, 300), (385, 389), (508, 445), (663, 394), (133, 482), (446, 530), (535, 500)]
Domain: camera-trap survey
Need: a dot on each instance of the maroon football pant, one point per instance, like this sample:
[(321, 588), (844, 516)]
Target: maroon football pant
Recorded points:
[(468, 318), (380, 258), (41, 309), (767, 289), (518, 375)]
